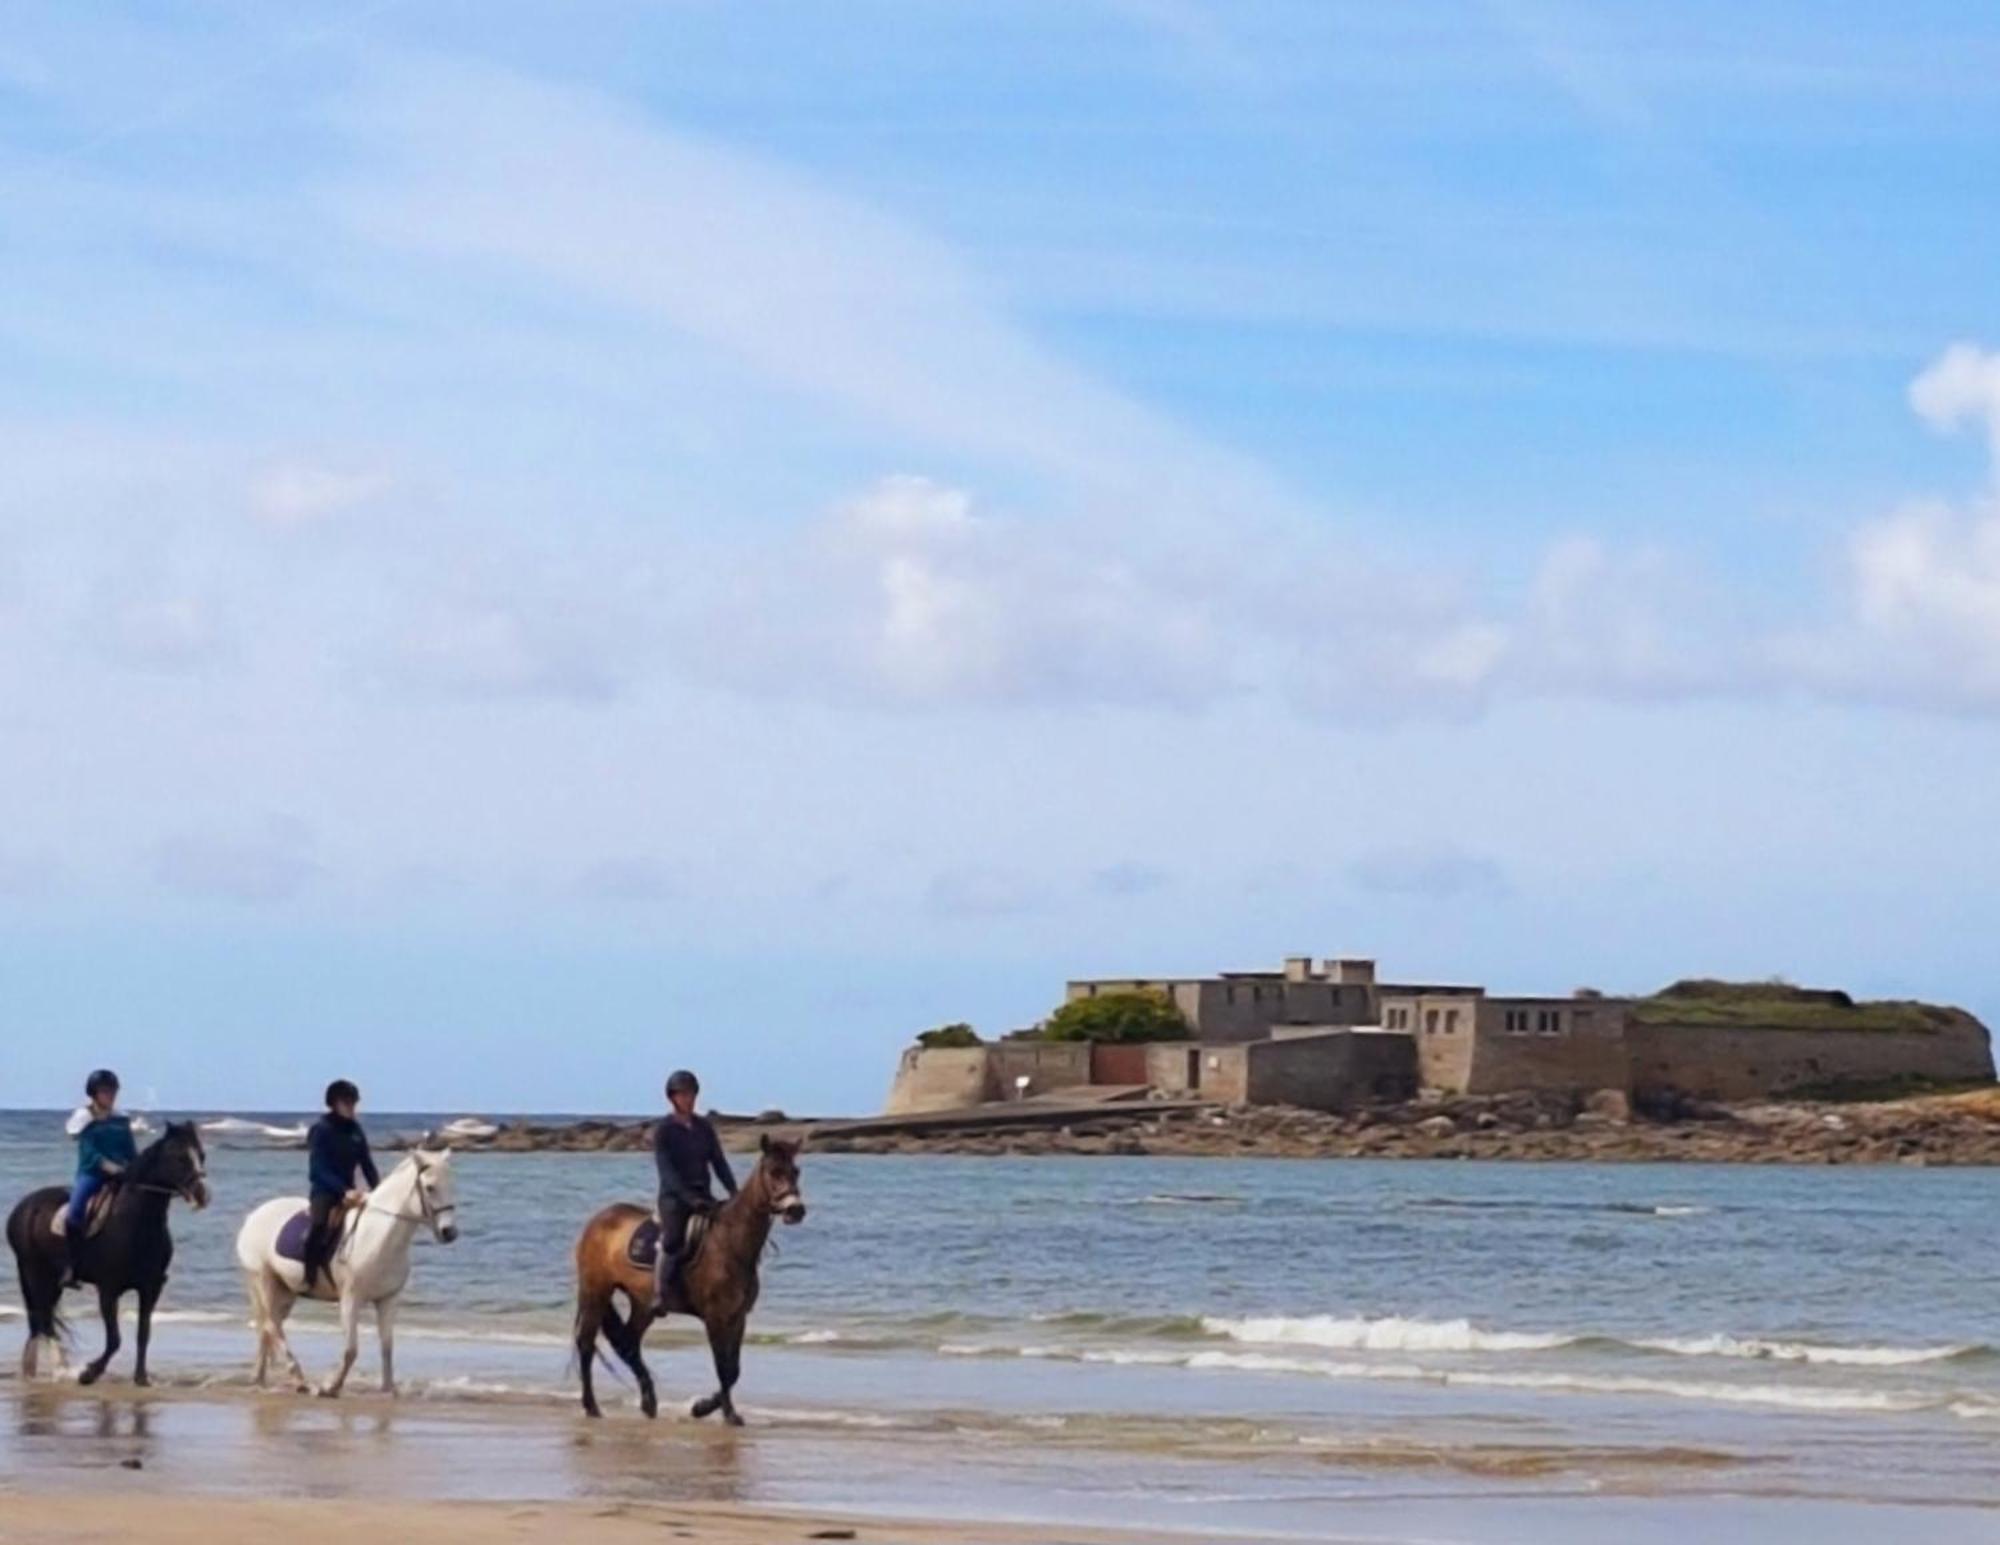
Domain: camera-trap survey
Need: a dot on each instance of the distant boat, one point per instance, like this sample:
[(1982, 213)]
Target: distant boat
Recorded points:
[(242, 1126), (468, 1126)]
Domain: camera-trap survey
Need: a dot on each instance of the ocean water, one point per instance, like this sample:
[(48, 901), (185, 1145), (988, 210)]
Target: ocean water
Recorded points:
[(1251, 1343)]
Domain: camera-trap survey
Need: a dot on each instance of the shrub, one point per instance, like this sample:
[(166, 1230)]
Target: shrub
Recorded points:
[(1117, 1016), (950, 1035)]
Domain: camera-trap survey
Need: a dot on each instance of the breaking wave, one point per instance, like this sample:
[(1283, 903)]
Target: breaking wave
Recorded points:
[(1773, 1396), (1393, 1334)]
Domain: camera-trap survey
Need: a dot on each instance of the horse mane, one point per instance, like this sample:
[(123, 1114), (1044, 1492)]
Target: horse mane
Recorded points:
[(178, 1134)]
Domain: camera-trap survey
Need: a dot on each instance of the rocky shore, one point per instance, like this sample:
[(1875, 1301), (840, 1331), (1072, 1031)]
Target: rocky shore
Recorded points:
[(1924, 1130)]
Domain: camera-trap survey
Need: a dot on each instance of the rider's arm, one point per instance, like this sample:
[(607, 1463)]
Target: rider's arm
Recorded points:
[(367, 1162), (719, 1162)]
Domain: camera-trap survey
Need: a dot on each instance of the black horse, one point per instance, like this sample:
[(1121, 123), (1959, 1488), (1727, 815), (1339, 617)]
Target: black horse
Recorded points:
[(130, 1254)]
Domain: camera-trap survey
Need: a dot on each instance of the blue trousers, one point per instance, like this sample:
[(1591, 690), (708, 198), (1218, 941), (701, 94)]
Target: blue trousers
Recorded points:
[(80, 1194)]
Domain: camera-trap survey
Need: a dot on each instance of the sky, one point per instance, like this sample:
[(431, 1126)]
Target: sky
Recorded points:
[(539, 545)]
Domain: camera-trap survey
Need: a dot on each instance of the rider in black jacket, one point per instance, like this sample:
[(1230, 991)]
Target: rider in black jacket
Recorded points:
[(685, 1150), (336, 1153)]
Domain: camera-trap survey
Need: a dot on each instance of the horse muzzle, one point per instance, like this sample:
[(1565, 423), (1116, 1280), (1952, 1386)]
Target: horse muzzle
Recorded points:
[(197, 1194), (793, 1211)]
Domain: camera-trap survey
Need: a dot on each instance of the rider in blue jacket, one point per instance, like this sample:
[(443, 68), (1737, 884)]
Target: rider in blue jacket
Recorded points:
[(104, 1148)]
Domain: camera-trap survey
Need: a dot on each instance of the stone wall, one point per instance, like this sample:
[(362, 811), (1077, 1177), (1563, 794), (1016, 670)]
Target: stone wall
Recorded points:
[(950, 1077), (1745, 1063), (1549, 1043), (1331, 1070), (1441, 1026), (1327, 1068)]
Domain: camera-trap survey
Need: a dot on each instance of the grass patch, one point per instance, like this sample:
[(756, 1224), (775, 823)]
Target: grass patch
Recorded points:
[(1781, 1006)]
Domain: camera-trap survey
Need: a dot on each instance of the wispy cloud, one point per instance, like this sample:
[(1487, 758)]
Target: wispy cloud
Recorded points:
[(272, 863), (1432, 872)]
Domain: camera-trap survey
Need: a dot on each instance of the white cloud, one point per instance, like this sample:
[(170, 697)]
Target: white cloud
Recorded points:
[(294, 494), (1962, 385), (906, 596), (1921, 618)]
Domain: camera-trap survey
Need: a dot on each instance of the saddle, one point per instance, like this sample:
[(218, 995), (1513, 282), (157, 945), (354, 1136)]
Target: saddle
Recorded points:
[(643, 1248), (97, 1210), (291, 1241)]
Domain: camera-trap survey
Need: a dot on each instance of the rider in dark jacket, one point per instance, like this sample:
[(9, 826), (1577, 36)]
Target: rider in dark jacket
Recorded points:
[(336, 1150), (685, 1150)]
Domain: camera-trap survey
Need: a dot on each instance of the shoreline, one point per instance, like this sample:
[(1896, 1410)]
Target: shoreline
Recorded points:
[(1916, 1131)]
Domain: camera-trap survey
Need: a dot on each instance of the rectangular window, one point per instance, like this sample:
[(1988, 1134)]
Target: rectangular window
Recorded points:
[(1430, 1022), (1451, 1021)]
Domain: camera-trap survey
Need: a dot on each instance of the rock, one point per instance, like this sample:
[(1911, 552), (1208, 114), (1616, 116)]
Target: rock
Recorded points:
[(1436, 1126), (1612, 1104)]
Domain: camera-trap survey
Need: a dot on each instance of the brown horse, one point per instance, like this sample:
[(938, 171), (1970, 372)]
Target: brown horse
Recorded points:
[(718, 1287)]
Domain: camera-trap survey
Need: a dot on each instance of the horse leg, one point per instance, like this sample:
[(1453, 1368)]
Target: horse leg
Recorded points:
[(41, 1291), (260, 1321), (385, 1332), (625, 1336), (725, 1345), (350, 1331), (589, 1319), (107, 1304), (278, 1302), (148, 1296)]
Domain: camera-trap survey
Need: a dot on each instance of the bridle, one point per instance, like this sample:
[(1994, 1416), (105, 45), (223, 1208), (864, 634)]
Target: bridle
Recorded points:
[(427, 1210), (190, 1191)]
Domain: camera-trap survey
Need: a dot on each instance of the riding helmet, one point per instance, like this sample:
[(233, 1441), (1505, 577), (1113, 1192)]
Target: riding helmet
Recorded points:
[(682, 1079), (340, 1089), (103, 1078)]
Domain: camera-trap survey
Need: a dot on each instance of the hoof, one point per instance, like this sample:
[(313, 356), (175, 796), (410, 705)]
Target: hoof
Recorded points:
[(90, 1375), (732, 1418), (649, 1404), (593, 1413), (143, 1380), (703, 1408), (328, 1392)]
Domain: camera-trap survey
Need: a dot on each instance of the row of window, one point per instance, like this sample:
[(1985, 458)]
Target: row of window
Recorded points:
[(1514, 1021)]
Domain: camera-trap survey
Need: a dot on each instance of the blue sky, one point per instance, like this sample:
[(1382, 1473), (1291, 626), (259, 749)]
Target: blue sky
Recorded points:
[(539, 546)]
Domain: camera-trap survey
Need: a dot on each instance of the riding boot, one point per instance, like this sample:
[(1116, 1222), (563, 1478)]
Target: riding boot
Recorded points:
[(666, 1273), (69, 1277)]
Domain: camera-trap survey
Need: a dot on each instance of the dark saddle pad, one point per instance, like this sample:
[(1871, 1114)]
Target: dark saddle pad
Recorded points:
[(643, 1249), (291, 1243)]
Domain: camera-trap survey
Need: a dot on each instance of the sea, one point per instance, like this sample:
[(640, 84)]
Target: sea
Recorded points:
[(1318, 1349)]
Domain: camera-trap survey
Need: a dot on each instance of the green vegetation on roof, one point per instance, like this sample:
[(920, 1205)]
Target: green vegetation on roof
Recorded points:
[(1781, 1006)]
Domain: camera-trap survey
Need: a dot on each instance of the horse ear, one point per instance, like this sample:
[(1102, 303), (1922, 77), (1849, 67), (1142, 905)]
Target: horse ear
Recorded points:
[(763, 1142)]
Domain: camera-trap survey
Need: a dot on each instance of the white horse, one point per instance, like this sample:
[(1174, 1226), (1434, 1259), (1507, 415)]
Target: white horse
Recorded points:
[(370, 1265)]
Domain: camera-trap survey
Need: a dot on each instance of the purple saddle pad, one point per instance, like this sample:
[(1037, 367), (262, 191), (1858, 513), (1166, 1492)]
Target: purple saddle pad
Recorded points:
[(292, 1237)]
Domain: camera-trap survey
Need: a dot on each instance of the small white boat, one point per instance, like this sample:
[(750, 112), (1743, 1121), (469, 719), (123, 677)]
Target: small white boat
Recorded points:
[(242, 1126), (468, 1126)]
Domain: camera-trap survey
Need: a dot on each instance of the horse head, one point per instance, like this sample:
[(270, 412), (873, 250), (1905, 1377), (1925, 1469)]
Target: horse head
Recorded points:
[(176, 1163), (437, 1193), (778, 1168)]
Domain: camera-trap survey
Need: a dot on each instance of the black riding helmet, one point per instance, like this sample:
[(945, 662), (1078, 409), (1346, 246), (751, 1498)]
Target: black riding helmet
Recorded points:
[(681, 1079), (103, 1078), (340, 1089)]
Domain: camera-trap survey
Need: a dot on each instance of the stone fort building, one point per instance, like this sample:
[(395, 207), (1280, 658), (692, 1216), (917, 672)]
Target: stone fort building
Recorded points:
[(1330, 1034)]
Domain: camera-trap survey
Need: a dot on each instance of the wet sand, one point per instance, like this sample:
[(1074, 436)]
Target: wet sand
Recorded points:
[(165, 1520)]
